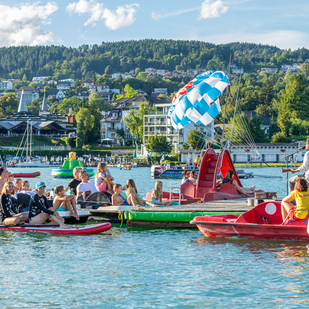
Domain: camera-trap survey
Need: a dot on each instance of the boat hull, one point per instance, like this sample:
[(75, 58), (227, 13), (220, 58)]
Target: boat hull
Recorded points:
[(260, 231), (26, 175), (78, 230), (68, 173)]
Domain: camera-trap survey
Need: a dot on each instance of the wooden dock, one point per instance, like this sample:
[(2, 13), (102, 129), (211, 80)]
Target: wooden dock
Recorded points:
[(173, 216)]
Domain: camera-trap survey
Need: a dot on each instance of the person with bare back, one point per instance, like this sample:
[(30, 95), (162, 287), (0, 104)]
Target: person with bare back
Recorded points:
[(65, 202)]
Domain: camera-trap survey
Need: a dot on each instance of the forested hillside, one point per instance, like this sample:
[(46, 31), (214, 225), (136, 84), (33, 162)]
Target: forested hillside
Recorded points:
[(86, 60)]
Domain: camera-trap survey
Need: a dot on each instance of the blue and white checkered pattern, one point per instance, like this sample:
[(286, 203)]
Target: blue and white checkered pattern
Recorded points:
[(197, 102)]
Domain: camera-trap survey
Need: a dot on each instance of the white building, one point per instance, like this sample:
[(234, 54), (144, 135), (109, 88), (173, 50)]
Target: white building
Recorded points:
[(161, 72), (113, 119), (39, 79), (87, 83), (6, 85), (63, 86), (29, 94), (56, 94), (150, 70), (269, 70), (99, 88), (160, 91), (159, 123), (124, 76), (286, 67), (69, 80)]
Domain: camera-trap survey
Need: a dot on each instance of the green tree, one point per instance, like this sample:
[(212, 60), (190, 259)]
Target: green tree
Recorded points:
[(120, 133), (294, 101), (159, 144), (258, 134), (108, 70), (24, 79), (130, 92), (8, 105), (99, 102), (196, 139), (135, 120)]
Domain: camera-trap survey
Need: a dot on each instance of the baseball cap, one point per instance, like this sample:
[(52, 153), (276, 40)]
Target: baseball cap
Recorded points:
[(40, 184)]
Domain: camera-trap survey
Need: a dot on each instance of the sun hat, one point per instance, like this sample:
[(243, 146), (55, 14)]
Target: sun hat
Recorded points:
[(40, 184)]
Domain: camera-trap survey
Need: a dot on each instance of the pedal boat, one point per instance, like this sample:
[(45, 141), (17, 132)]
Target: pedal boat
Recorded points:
[(264, 221)]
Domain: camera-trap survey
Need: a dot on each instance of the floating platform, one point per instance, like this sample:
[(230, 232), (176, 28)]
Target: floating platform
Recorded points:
[(173, 216)]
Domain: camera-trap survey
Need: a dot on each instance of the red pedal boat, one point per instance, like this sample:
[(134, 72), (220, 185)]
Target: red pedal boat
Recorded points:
[(73, 230), (26, 175), (264, 221)]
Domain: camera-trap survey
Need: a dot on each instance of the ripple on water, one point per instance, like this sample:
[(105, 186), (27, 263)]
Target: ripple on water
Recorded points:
[(136, 268)]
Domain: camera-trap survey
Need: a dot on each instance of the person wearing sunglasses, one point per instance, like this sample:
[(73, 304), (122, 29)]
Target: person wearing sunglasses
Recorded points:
[(185, 176)]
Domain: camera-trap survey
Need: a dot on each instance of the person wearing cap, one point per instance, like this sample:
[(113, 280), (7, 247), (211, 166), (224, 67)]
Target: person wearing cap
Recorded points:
[(40, 210)]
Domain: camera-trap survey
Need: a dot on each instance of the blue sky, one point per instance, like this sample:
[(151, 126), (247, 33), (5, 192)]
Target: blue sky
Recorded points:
[(73, 23)]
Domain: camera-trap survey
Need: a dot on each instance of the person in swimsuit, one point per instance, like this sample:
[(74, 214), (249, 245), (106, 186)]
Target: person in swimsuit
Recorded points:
[(65, 202), (157, 195), (131, 193), (229, 179), (117, 198), (9, 214), (40, 210)]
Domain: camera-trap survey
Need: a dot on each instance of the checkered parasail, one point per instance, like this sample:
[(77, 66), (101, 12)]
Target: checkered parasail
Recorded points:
[(198, 102)]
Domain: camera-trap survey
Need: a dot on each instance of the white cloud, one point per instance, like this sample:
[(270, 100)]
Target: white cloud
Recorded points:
[(124, 16), (22, 25), (212, 9), (159, 15), (281, 38)]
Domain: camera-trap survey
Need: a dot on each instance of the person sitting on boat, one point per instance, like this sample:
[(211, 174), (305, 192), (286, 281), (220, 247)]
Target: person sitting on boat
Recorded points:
[(18, 184), (193, 177), (76, 181), (229, 179), (85, 188), (301, 196), (65, 202), (102, 172), (26, 186), (107, 185), (117, 198), (40, 210), (185, 176), (157, 195), (9, 214), (132, 194), (303, 168), (25, 190), (4, 175)]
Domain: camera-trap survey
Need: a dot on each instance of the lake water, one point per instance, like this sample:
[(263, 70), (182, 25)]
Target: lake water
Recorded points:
[(152, 268)]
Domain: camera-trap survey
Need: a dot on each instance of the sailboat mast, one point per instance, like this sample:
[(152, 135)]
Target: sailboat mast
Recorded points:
[(30, 139), (27, 142)]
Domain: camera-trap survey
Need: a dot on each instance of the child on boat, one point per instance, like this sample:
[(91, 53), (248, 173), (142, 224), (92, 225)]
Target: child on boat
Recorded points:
[(157, 194), (26, 186), (9, 214), (301, 196), (101, 174), (65, 202), (131, 193), (76, 181), (117, 198), (40, 210), (107, 185)]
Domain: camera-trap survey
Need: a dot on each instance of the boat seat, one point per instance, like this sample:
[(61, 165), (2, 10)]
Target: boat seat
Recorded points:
[(188, 189), (229, 188)]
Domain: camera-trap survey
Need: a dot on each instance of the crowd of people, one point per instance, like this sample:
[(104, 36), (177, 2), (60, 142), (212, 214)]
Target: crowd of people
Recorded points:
[(40, 207)]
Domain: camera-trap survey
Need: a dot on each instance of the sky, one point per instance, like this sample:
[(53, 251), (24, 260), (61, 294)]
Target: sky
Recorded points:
[(282, 23)]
